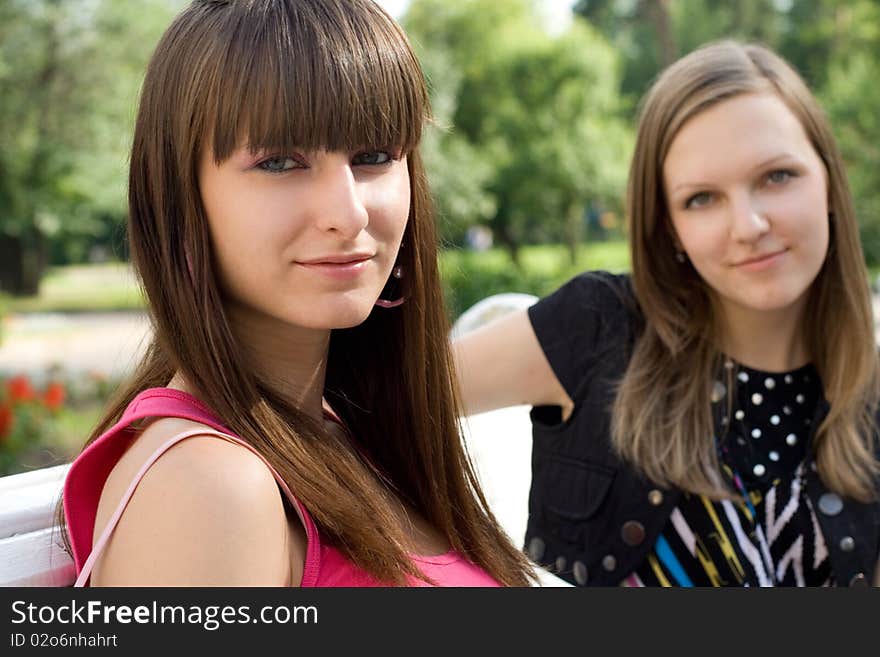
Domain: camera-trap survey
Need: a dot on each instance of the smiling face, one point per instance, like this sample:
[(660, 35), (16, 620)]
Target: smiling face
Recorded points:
[(307, 238), (748, 201)]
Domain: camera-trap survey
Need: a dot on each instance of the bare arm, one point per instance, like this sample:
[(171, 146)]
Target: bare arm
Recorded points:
[(501, 364), (207, 513)]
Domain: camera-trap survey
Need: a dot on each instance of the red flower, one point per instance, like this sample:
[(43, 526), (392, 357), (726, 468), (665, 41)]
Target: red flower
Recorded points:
[(54, 396), (20, 389), (6, 421)]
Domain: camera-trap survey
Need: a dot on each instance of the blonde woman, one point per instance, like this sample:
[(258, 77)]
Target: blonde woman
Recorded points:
[(710, 419)]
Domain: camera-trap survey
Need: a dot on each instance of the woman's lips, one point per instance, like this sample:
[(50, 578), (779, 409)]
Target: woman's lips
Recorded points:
[(762, 263), (340, 270)]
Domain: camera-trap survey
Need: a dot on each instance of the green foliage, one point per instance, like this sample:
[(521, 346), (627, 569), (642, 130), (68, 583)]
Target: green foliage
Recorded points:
[(699, 21), (853, 100), (83, 288), (455, 41), (46, 417), (4, 301), (70, 71), (459, 173), (469, 277), (649, 35), (534, 130), (557, 141), (26, 413)]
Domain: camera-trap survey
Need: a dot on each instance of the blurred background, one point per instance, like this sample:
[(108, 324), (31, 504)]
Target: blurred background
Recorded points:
[(534, 104)]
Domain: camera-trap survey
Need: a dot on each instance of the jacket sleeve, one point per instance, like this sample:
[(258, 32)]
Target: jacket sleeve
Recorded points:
[(580, 321)]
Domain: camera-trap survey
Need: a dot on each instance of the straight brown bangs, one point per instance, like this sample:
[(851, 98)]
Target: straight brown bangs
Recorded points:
[(332, 76)]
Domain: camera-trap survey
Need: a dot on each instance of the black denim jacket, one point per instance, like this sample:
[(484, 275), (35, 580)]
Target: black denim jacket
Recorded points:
[(592, 518)]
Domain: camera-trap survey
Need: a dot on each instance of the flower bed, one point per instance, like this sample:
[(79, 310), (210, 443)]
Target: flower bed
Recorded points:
[(27, 412)]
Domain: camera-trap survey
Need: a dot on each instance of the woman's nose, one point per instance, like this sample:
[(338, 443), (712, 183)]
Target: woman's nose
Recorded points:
[(748, 221), (338, 204)]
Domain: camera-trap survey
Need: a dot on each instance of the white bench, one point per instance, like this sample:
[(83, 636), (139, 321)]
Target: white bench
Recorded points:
[(31, 548), (31, 552)]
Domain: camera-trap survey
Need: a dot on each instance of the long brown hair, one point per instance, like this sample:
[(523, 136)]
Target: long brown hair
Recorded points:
[(662, 416), (338, 75)]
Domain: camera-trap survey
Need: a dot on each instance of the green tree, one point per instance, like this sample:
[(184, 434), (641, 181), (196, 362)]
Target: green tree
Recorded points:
[(852, 99), (69, 75), (456, 41), (459, 173), (537, 114), (558, 143), (651, 34), (642, 33)]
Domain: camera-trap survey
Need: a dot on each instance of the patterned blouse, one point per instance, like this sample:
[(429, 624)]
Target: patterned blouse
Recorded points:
[(770, 535)]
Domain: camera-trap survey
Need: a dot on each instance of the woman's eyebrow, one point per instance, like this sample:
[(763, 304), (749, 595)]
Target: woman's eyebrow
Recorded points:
[(764, 163)]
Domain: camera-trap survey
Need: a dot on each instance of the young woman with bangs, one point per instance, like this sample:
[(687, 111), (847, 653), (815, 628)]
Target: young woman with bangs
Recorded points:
[(710, 419), (294, 420)]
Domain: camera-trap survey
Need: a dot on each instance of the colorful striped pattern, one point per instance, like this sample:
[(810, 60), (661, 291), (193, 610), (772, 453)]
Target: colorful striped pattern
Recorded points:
[(770, 539)]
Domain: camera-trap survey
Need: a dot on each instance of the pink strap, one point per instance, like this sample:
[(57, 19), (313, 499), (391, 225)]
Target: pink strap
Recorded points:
[(310, 569)]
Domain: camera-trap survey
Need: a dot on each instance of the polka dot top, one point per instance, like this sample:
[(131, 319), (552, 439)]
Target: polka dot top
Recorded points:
[(764, 434), (769, 537)]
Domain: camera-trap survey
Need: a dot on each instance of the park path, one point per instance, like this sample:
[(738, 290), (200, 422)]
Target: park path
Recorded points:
[(80, 343)]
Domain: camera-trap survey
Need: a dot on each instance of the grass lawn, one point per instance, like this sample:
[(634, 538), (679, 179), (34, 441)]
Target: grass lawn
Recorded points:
[(470, 277), (73, 426), (67, 434), (545, 259), (82, 288)]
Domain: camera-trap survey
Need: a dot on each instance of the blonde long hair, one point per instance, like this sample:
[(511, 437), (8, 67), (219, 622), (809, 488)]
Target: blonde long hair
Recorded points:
[(334, 74), (662, 413)]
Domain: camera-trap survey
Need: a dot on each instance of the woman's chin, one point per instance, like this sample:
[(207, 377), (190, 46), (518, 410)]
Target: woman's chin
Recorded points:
[(339, 316)]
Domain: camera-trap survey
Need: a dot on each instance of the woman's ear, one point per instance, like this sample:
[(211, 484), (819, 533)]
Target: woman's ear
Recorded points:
[(678, 249), (676, 243)]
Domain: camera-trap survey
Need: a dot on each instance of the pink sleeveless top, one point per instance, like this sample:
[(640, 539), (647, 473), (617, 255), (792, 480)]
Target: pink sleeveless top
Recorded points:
[(324, 564)]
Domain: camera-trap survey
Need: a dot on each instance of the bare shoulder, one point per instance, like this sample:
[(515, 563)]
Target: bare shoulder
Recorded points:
[(207, 512)]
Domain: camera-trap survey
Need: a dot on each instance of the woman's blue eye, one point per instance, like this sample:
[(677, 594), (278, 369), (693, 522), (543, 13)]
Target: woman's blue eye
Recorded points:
[(372, 157), (698, 200), (779, 177), (278, 164)]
